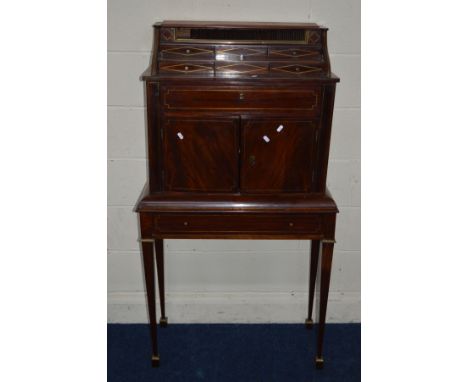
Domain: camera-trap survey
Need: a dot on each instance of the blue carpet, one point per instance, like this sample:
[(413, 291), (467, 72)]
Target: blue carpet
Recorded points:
[(230, 352)]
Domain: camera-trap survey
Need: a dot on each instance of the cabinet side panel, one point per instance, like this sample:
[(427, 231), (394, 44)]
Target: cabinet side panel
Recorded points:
[(325, 134), (153, 136), (154, 59), (325, 52)]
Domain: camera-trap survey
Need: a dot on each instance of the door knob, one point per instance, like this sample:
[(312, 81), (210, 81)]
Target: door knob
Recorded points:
[(252, 160)]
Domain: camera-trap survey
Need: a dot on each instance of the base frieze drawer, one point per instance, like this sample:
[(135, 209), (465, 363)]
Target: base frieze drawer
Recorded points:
[(240, 223)]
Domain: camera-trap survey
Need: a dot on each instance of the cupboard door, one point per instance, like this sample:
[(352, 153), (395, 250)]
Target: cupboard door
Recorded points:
[(201, 155), (278, 156)]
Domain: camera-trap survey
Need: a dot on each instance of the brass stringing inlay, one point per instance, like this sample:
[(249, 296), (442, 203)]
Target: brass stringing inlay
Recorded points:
[(241, 68), (185, 68), (294, 53), (294, 69), (240, 51), (313, 37), (168, 34), (186, 51)]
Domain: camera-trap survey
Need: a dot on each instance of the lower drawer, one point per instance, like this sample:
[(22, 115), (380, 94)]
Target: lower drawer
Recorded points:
[(238, 224)]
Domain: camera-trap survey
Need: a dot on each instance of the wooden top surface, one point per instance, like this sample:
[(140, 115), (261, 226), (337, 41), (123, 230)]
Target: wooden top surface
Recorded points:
[(211, 203), (231, 24)]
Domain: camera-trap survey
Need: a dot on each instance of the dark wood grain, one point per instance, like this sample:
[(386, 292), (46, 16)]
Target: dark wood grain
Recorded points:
[(325, 273), (325, 136), (236, 24), (222, 98), (148, 262), (241, 53), (241, 68), (182, 203), (159, 247), (186, 52), (153, 136), (238, 143), (278, 155), (295, 54), (177, 52), (154, 58), (314, 258), (201, 155), (301, 69), (186, 67), (202, 223)]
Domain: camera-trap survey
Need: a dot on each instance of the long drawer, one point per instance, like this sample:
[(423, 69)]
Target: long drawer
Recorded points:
[(241, 99), (242, 223)]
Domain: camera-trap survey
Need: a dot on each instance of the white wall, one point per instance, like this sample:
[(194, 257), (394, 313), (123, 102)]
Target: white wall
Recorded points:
[(228, 281)]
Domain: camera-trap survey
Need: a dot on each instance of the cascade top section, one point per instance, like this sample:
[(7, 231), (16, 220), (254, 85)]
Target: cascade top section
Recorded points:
[(187, 49)]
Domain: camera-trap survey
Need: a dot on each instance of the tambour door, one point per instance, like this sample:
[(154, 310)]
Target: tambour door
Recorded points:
[(200, 154), (278, 155)]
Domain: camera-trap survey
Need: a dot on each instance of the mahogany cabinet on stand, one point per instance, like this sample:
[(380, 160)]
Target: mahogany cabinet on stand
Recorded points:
[(239, 122)]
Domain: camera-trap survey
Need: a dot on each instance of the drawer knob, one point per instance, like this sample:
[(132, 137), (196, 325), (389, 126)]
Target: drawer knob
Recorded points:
[(252, 160), (180, 135), (294, 53), (279, 128), (242, 57), (187, 51), (185, 223), (291, 224), (241, 96), (186, 68), (266, 139), (297, 68)]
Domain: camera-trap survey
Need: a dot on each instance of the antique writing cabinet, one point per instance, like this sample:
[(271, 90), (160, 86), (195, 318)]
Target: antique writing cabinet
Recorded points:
[(239, 121)]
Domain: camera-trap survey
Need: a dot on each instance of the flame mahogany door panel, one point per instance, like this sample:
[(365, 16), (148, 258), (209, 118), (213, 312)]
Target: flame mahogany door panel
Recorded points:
[(278, 155), (201, 154)]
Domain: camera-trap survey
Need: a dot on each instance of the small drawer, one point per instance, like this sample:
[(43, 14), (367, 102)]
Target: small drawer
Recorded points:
[(248, 98), (296, 69), (240, 53), (295, 53), (189, 52), (240, 224), (240, 68), (186, 67)]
